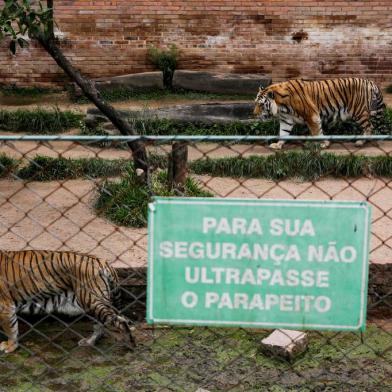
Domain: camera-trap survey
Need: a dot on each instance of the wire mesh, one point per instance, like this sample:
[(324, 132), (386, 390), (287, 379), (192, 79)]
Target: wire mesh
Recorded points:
[(81, 194)]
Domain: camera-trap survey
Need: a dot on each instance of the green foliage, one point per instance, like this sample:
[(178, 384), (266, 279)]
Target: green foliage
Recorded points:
[(39, 120), (308, 165), (115, 94), (7, 165), (388, 90), (155, 126), (144, 125), (125, 203), (42, 168), (24, 18), (19, 91), (165, 60)]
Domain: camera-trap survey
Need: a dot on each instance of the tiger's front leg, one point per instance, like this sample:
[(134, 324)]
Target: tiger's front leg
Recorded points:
[(9, 325), (315, 128), (285, 127)]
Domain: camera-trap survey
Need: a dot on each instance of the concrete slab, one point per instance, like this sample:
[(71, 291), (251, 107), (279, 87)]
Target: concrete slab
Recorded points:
[(285, 343), (212, 82)]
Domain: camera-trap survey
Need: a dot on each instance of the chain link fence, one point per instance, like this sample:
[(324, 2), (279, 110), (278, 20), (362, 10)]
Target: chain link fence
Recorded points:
[(81, 194)]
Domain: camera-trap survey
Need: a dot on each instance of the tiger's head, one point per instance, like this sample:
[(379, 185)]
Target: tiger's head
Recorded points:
[(265, 105)]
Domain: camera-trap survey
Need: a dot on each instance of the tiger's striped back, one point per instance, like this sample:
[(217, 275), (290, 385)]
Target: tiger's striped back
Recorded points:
[(321, 102)]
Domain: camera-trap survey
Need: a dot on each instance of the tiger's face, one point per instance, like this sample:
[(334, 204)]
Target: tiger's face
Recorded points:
[(265, 105)]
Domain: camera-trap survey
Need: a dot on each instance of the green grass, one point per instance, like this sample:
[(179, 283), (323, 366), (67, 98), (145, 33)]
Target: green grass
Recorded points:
[(43, 168), (125, 202), (184, 359), (164, 127), (116, 94), (7, 165), (39, 121), (20, 91), (307, 165)]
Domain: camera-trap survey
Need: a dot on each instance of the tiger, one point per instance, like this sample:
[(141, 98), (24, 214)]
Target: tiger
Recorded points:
[(71, 283), (317, 103)]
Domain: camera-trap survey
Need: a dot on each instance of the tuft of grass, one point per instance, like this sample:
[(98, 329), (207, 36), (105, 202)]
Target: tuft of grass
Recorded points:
[(43, 168), (39, 121), (116, 94), (125, 203), (308, 165), (388, 90), (7, 165), (19, 91)]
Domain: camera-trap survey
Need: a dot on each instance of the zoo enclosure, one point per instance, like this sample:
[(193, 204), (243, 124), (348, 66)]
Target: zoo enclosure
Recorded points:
[(80, 194)]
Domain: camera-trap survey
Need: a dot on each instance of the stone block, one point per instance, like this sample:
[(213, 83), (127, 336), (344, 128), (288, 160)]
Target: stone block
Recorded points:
[(285, 343)]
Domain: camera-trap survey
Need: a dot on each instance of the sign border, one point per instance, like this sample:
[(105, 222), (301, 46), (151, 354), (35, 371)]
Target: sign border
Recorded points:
[(257, 202)]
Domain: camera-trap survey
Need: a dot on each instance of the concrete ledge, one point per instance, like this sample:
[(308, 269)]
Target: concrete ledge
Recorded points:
[(209, 113), (219, 83)]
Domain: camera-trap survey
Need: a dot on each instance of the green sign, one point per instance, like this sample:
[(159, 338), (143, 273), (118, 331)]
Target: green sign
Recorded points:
[(258, 263)]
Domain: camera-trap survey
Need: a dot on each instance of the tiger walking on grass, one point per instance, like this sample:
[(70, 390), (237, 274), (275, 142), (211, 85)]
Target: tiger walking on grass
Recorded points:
[(41, 282), (315, 103)]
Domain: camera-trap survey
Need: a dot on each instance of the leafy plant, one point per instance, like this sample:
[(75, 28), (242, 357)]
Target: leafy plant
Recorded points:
[(20, 91), (33, 21), (125, 203), (39, 120), (42, 168), (165, 60), (308, 165), (7, 165)]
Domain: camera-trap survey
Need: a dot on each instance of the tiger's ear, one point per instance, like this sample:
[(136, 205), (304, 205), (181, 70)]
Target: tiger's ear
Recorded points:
[(271, 95)]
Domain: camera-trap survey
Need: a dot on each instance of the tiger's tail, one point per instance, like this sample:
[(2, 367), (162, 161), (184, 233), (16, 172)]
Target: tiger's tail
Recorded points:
[(377, 109)]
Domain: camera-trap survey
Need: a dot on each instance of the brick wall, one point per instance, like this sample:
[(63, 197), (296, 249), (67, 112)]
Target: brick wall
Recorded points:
[(280, 38)]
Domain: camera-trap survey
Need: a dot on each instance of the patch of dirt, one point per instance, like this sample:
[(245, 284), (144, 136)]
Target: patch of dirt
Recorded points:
[(59, 214)]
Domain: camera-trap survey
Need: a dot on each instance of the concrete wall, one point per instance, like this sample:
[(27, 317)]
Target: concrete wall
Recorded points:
[(280, 38)]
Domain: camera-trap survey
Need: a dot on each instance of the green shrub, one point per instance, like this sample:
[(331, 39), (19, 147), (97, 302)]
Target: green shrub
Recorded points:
[(308, 165), (125, 203), (39, 121), (166, 61), (43, 168), (120, 93), (19, 91), (7, 165), (388, 90)]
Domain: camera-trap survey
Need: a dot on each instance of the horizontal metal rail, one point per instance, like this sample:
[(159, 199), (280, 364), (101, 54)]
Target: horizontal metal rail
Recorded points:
[(194, 138)]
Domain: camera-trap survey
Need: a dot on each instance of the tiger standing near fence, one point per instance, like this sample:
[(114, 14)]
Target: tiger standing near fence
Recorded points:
[(316, 103), (42, 282)]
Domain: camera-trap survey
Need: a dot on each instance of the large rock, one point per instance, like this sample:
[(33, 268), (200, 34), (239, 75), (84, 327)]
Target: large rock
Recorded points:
[(209, 113), (220, 83)]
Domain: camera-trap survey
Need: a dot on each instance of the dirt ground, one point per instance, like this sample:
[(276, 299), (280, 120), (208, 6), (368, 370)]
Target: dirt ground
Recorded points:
[(186, 359), (60, 215)]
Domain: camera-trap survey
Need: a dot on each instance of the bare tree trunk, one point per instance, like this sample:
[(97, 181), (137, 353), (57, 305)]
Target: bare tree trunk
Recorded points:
[(177, 169), (88, 87)]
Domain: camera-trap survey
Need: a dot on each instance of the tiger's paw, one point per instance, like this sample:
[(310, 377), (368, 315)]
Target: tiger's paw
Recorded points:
[(325, 144), (86, 342), (8, 346), (276, 146)]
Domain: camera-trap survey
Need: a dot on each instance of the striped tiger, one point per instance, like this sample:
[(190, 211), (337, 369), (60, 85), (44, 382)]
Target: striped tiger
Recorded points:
[(41, 282), (316, 103)]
